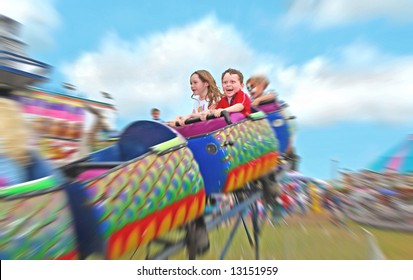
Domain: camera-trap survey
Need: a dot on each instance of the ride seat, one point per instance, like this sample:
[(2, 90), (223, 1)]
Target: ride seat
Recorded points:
[(203, 127), (254, 109), (138, 137), (135, 141), (269, 106)]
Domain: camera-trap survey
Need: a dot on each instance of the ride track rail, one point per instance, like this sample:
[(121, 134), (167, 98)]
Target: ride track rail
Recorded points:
[(171, 248)]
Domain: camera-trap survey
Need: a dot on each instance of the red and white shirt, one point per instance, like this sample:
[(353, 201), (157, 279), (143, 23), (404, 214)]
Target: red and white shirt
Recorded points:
[(239, 97)]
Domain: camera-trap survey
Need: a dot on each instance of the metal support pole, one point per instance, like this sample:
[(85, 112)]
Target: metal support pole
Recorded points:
[(230, 238), (254, 218)]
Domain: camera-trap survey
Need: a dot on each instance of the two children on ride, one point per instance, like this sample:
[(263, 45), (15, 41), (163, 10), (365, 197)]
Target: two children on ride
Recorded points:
[(209, 100)]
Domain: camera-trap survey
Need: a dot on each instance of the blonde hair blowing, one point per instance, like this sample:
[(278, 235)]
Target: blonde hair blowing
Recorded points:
[(14, 136), (214, 94), (260, 79)]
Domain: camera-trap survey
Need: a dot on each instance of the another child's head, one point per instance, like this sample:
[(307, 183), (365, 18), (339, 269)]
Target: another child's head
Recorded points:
[(256, 85), (204, 85), (156, 113), (232, 82)]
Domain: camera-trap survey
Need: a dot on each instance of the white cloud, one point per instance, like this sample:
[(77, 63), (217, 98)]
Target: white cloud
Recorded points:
[(363, 85), (39, 19), (358, 83), (154, 71), (325, 13)]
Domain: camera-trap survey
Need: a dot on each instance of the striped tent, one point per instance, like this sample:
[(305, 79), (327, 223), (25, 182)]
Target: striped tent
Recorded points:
[(399, 158)]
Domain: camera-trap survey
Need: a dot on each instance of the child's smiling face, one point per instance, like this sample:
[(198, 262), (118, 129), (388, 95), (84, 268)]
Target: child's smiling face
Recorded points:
[(231, 84)]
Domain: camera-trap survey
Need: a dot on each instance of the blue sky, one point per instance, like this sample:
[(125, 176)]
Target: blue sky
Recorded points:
[(344, 66)]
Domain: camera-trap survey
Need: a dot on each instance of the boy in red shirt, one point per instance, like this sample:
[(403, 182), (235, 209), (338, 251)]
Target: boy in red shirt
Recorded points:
[(235, 100)]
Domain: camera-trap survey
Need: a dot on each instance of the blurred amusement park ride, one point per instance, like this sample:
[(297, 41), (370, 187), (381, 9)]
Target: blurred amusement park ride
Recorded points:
[(69, 193)]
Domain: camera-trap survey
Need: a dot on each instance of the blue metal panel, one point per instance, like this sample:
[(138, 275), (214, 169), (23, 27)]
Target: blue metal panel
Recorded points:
[(212, 166), (280, 127), (138, 137), (110, 153), (87, 229)]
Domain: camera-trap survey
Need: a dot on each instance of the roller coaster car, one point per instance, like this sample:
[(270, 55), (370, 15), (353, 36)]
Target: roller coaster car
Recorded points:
[(127, 194), (231, 152), (149, 182), (234, 152), (107, 204)]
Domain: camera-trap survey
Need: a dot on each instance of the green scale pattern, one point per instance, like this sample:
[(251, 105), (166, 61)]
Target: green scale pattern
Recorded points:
[(142, 187), (36, 227), (252, 139)]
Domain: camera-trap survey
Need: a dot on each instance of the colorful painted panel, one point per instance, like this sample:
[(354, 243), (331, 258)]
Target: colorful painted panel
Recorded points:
[(37, 227), (58, 122), (50, 106), (144, 199), (142, 231), (252, 151)]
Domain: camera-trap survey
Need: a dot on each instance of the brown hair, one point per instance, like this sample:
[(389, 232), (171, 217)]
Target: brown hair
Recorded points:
[(213, 94), (233, 72), (155, 110)]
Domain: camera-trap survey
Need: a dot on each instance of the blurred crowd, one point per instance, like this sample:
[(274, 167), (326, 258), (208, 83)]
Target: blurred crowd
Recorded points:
[(382, 199)]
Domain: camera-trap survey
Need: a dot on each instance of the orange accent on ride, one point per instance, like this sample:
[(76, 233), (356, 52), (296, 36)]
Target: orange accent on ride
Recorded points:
[(249, 174), (179, 217), (193, 210), (240, 177), (149, 233), (155, 224), (133, 240), (230, 180), (257, 169), (116, 249), (252, 170), (201, 208)]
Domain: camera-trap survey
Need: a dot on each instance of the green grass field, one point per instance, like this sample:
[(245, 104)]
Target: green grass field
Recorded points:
[(312, 237)]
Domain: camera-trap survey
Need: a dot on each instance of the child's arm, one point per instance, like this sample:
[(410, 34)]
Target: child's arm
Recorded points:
[(201, 115), (231, 109), (174, 121), (266, 97)]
